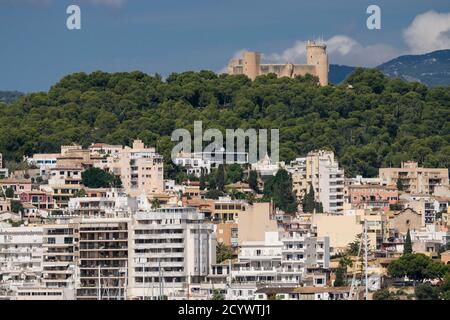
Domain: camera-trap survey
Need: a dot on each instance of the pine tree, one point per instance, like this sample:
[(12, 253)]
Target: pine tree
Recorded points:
[(400, 186), (253, 180), (339, 281), (318, 207), (220, 178), (407, 247), (202, 180), (308, 202)]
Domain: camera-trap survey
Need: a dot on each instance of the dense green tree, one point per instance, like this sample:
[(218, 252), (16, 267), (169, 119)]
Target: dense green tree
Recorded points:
[(416, 266), (16, 206), (223, 252), (384, 294), (213, 194), (235, 173), (98, 178), (426, 291), (279, 189), (217, 295), (9, 192)]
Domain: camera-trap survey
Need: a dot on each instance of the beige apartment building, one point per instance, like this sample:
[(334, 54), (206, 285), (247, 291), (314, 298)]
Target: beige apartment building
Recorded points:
[(415, 179), (140, 169), (317, 65), (344, 229), (255, 222)]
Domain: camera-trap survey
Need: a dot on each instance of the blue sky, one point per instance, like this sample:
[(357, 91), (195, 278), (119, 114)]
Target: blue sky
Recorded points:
[(164, 36)]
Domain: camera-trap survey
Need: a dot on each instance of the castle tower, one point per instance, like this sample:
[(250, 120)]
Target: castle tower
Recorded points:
[(316, 55), (252, 62)]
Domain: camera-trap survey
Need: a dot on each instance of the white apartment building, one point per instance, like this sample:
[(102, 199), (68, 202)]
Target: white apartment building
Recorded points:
[(320, 170), (172, 249), (44, 161), (259, 263), (303, 250), (109, 204), (21, 253), (60, 256), (193, 164), (221, 156)]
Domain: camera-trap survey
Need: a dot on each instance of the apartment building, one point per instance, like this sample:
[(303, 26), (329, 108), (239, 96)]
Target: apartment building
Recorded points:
[(226, 209), (302, 249), (44, 161), (414, 179), (64, 183), (427, 206), (40, 199), (104, 149), (172, 248), (344, 229), (5, 205), (372, 196), (193, 164), (255, 221), (259, 261), (102, 203), (222, 156), (21, 260), (17, 185), (140, 169), (60, 257), (320, 170), (304, 293), (103, 258)]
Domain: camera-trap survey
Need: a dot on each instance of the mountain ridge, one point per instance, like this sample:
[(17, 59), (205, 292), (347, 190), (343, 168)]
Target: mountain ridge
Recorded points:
[(431, 69)]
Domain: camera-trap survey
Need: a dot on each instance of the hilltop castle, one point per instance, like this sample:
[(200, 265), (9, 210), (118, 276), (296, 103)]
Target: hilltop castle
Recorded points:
[(316, 59)]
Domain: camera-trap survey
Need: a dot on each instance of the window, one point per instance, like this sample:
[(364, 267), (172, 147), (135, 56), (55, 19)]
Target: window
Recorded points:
[(51, 241)]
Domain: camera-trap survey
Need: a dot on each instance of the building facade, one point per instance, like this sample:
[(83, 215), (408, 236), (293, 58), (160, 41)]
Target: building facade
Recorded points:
[(316, 65)]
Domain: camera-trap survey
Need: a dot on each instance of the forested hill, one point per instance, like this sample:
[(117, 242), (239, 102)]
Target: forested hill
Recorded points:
[(376, 122), (10, 96)]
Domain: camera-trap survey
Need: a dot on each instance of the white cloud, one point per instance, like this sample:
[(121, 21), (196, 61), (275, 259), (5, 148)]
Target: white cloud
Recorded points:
[(428, 32), (341, 50)]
